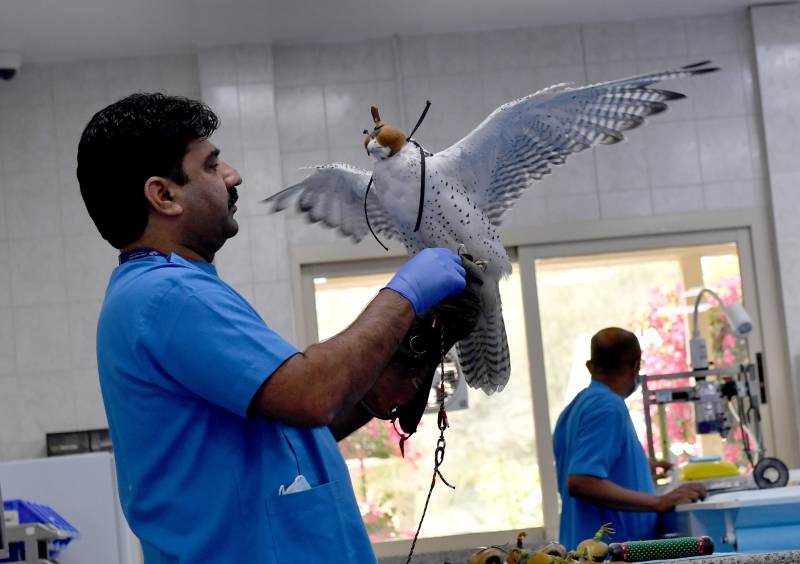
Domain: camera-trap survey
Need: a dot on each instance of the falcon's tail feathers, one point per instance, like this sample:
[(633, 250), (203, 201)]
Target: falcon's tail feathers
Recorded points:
[(484, 355)]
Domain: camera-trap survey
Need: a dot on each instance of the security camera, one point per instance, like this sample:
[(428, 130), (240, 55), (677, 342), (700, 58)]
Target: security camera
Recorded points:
[(9, 64)]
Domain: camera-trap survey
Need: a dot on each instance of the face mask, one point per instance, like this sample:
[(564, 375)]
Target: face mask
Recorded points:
[(635, 385)]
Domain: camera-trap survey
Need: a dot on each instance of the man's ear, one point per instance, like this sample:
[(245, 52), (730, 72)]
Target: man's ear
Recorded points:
[(159, 193)]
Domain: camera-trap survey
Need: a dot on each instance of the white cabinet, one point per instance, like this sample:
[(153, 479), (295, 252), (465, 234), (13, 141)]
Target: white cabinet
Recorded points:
[(83, 490)]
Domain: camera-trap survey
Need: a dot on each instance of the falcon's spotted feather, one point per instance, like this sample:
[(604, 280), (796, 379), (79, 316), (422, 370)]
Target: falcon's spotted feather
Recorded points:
[(470, 185)]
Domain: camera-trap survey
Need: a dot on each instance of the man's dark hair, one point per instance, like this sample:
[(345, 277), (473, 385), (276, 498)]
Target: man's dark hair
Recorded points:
[(126, 143), (614, 349)]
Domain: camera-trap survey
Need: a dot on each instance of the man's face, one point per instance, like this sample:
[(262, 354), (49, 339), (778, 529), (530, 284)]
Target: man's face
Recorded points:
[(636, 378), (208, 198)]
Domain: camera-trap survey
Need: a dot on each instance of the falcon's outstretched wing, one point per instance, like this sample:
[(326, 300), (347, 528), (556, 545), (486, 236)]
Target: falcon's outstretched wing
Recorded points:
[(520, 141), (334, 195)]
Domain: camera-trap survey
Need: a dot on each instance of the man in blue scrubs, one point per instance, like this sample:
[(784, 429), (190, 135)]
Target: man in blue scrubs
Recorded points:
[(603, 473), (224, 433)]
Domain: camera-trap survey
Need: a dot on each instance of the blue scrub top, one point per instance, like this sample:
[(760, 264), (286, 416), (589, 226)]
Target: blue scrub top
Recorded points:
[(180, 355), (594, 436)]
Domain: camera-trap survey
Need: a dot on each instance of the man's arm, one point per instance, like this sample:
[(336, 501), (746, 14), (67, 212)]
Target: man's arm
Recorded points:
[(397, 386), (349, 421), (311, 389), (329, 378), (606, 493), (402, 390)]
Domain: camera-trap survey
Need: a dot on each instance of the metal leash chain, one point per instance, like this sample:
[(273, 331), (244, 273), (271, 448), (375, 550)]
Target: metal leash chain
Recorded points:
[(438, 455)]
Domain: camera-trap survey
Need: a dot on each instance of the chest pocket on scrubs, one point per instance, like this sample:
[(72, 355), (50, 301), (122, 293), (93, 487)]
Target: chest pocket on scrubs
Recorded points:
[(315, 522)]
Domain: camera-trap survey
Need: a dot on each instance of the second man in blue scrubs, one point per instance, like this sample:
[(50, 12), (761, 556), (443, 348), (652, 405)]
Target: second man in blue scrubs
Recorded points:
[(603, 473)]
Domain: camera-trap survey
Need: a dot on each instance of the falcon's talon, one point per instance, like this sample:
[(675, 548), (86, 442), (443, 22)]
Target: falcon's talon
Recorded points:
[(480, 263)]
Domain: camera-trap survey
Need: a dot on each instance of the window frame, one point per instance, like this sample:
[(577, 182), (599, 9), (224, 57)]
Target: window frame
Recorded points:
[(390, 548), (755, 341), (747, 228)]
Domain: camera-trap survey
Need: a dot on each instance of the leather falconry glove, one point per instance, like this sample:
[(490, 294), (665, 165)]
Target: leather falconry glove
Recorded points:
[(434, 331)]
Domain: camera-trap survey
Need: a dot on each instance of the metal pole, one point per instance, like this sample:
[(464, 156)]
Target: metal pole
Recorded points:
[(648, 423)]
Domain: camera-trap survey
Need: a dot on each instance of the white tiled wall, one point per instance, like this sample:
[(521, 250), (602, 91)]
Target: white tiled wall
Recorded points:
[(287, 107), (777, 33), (53, 264)]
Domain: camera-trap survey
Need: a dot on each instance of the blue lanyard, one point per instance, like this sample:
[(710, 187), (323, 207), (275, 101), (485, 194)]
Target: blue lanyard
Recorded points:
[(142, 252)]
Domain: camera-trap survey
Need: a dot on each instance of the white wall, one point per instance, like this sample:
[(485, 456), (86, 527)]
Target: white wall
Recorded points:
[(286, 107), (777, 33), (53, 264)]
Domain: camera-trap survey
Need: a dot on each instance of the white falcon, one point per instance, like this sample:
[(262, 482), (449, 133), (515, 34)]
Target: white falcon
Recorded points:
[(470, 185)]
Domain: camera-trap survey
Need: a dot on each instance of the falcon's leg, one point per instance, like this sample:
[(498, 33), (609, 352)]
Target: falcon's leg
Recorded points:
[(462, 250)]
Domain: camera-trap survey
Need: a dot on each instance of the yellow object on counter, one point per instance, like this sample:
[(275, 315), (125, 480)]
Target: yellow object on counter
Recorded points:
[(707, 467)]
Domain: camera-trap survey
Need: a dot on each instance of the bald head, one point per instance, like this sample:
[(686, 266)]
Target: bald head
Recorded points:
[(614, 350)]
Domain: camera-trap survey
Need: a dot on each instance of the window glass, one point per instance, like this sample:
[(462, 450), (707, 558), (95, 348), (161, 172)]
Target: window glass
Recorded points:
[(651, 293)]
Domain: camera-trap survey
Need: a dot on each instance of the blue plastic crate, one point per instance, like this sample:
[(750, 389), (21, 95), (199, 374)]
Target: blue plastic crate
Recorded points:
[(30, 512)]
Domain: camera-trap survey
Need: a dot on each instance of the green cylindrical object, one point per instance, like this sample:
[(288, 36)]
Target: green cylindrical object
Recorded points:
[(665, 549)]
